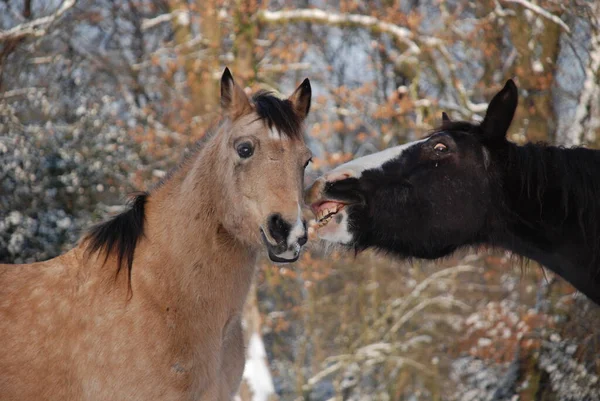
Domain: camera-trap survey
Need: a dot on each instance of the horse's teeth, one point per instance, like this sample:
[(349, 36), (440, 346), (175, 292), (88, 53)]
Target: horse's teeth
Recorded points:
[(324, 215)]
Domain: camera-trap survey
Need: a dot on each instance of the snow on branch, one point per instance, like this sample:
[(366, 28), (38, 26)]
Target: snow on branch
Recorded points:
[(540, 11), (181, 16), (37, 27), (22, 92), (323, 17), (444, 301)]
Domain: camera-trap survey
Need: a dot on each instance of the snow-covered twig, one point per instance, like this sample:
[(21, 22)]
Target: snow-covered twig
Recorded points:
[(540, 11), (402, 303), (181, 16), (37, 27), (323, 17), (465, 103), (22, 92), (277, 68), (323, 374), (444, 301)]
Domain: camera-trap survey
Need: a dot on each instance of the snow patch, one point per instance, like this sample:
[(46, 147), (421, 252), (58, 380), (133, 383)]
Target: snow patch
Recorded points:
[(256, 371)]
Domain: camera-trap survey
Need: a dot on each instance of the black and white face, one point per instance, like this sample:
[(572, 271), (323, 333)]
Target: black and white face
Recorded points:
[(422, 199), (338, 194)]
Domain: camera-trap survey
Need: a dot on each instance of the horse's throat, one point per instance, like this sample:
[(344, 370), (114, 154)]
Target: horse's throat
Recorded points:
[(571, 262)]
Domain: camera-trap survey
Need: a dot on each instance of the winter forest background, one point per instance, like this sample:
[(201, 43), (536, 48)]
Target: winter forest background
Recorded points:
[(99, 98)]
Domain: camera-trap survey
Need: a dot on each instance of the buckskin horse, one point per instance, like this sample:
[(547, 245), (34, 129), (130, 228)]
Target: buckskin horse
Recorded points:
[(148, 305), (466, 184)]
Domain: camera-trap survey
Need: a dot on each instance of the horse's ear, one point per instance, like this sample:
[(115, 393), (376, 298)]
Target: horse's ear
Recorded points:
[(233, 98), (445, 118), (301, 99), (500, 112)]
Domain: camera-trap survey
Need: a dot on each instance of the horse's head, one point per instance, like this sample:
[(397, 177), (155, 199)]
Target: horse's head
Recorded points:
[(260, 157), (421, 199)]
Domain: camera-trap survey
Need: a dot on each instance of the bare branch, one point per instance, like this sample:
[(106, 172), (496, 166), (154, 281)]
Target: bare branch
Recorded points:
[(540, 11), (466, 107), (402, 303), (279, 68), (37, 27), (443, 301), (22, 92), (322, 374), (323, 17), (181, 16)]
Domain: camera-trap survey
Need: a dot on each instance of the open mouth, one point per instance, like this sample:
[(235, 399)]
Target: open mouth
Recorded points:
[(281, 253), (326, 210)]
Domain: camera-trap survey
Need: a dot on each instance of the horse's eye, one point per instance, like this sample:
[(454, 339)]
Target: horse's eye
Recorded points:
[(245, 150), (440, 147), (307, 163)]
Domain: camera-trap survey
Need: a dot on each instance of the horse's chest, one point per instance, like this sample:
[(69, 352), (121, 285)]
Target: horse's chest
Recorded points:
[(210, 365)]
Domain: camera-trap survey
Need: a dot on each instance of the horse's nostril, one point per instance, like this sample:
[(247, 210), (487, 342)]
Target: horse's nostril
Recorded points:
[(274, 219), (302, 240), (278, 227)]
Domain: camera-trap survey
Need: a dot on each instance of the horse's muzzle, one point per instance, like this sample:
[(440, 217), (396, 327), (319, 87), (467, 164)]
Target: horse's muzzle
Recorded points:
[(284, 240)]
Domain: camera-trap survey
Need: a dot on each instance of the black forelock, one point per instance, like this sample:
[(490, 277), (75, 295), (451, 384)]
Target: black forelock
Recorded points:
[(457, 126), (278, 113)]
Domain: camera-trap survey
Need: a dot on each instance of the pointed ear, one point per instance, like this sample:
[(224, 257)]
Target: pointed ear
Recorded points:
[(500, 112), (300, 99), (233, 98), (445, 118)]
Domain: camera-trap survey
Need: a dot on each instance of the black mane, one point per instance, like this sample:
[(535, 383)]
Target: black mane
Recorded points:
[(458, 126), (561, 182), (563, 191), (554, 190), (120, 234), (278, 113)]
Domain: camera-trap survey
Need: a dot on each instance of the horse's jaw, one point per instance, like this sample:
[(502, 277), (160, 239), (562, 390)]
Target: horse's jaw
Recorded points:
[(336, 228)]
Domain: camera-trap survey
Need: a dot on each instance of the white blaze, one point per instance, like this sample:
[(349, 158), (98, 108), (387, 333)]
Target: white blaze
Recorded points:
[(339, 232), (355, 168), (274, 133)]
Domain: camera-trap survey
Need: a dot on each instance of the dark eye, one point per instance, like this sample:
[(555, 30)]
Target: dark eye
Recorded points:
[(245, 150), (307, 162), (440, 147)]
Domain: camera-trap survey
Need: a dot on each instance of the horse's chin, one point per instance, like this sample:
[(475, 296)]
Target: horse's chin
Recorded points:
[(280, 253), (283, 258)]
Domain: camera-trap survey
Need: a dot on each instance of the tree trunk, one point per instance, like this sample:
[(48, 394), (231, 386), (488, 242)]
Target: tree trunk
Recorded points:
[(201, 61), (537, 46), (585, 126)]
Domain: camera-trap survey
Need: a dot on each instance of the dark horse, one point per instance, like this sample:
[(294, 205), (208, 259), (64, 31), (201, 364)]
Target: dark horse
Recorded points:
[(466, 184)]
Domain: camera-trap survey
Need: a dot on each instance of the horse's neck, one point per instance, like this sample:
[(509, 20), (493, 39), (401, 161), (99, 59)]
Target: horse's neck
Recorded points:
[(538, 224), (569, 261), (186, 245)]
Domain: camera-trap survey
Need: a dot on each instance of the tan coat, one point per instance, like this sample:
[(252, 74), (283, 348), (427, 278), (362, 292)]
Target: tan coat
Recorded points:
[(72, 328)]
